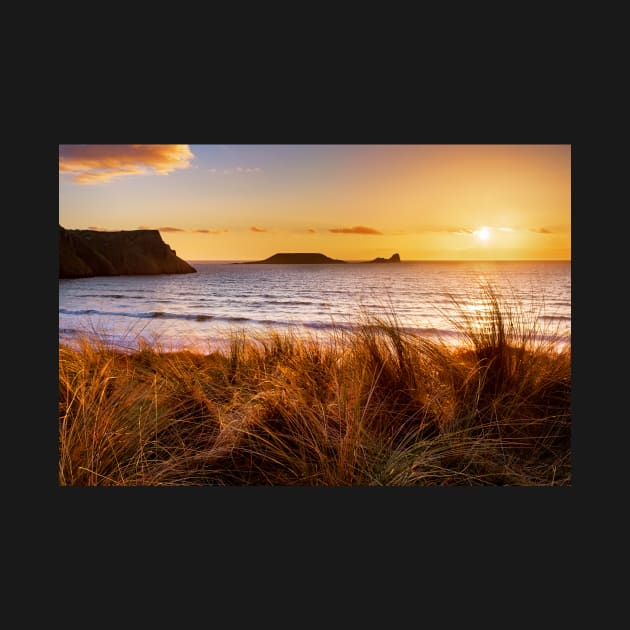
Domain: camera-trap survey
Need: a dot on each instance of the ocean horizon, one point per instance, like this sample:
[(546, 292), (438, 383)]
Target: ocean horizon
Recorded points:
[(205, 309)]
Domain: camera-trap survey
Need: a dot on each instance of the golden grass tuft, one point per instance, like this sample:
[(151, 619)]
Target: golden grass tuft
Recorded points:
[(372, 406)]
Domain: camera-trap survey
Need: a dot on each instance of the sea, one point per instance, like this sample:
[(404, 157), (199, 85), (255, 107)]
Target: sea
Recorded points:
[(204, 310)]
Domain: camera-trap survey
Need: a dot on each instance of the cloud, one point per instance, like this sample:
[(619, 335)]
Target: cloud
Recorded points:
[(100, 163), (463, 230), (239, 170), (98, 229), (430, 230), (540, 230), (357, 229), (257, 229), (176, 229), (311, 231)]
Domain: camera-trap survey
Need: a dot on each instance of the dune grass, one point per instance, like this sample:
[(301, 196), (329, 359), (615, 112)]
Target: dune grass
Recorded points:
[(373, 406)]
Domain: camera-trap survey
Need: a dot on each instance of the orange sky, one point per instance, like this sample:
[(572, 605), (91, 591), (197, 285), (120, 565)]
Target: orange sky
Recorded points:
[(354, 202)]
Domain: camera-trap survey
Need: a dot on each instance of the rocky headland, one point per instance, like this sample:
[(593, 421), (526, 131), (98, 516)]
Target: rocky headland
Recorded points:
[(86, 253)]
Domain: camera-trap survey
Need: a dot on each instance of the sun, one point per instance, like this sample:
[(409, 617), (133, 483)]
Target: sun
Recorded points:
[(483, 233)]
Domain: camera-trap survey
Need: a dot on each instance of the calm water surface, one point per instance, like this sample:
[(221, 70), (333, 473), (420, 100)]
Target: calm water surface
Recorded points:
[(204, 308)]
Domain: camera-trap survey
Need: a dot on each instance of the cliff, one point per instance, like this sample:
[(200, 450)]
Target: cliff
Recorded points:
[(85, 253), (298, 258), (392, 259)]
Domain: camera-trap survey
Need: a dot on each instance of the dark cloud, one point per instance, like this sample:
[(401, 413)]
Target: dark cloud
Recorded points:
[(257, 229), (98, 229), (209, 231), (540, 230), (311, 231), (170, 229), (357, 229)]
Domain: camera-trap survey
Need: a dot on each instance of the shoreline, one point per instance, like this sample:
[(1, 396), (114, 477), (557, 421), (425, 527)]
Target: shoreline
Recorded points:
[(201, 343), (374, 407)]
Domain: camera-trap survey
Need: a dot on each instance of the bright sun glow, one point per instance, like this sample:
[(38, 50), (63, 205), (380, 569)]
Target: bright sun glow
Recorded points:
[(345, 201), (482, 233)]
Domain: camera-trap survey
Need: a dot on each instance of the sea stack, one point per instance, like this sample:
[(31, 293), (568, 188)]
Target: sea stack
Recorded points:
[(394, 258)]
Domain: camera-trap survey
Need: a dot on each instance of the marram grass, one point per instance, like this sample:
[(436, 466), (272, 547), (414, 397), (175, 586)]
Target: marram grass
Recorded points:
[(375, 406)]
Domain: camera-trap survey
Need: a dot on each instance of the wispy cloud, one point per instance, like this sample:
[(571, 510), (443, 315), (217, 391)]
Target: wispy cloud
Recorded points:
[(98, 229), (456, 230), (357, 229), (236, 170), (257, 229), (464, 230), (433, 230), (169, 228), (100, 163), (540, 230), (311, 231)]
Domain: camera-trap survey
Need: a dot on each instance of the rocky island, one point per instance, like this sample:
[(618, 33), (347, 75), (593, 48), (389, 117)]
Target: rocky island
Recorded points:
[(394, 258), (297, 258), (86, 253), (300, 258)]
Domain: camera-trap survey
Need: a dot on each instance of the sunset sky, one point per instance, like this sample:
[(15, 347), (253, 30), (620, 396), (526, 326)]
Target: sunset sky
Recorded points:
[(354, 202)]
